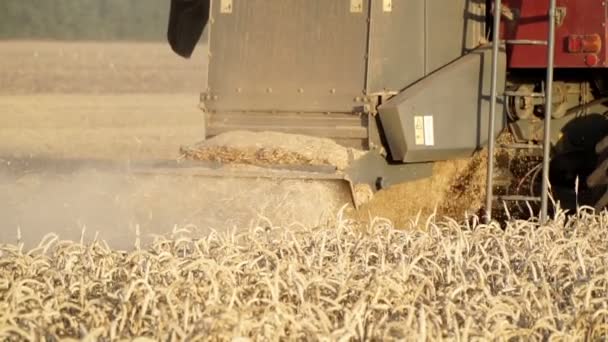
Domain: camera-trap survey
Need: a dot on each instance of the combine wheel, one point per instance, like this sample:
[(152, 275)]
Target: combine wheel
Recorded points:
[(598, 179)]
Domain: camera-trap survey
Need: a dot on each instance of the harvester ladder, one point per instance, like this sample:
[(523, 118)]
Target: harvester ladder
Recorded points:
[(547, 94)]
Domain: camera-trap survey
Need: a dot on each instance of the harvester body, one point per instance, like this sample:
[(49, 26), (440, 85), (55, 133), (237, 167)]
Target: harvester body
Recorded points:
[(580, 34), (407, 83), (322, 68)]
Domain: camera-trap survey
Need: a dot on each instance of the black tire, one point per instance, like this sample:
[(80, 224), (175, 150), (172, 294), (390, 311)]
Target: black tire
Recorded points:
[(597, 181)]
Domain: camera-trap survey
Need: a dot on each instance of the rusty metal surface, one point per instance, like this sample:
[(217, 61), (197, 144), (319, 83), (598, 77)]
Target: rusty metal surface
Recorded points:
[(287, 56)]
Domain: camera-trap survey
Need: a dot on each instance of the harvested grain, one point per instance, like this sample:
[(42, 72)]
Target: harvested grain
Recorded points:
[(454, 188), (272, 148)]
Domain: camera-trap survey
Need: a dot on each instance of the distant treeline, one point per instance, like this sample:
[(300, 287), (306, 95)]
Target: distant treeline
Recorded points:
[(84, 19)]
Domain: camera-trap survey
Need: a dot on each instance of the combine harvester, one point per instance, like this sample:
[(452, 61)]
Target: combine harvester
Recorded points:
[(372, 93)]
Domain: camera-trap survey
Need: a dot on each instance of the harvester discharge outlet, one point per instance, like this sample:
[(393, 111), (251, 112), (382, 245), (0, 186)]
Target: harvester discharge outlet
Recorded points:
[(445, 115)]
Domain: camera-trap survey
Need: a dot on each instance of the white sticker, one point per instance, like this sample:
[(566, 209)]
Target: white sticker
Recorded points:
[(226, 6), (419, 129), (429, 134), (356, 6), (387, 5)]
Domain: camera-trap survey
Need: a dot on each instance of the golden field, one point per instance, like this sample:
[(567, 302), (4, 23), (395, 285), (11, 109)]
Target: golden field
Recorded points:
[(339, 282), (89, 255)]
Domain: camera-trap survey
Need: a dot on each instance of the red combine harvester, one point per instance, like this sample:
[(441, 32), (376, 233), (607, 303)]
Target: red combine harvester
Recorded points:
[(411, 83), (556, 53), (580, 33)]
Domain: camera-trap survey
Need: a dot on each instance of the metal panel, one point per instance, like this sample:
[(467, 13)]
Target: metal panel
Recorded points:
[(396, 45), (417, 37), (287, 55), (346, 129), (580, 17), (444, 116), (452, 28)]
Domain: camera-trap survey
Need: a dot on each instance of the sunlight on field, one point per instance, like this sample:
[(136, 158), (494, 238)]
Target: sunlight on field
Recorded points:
[(410, 278), (335, 282)]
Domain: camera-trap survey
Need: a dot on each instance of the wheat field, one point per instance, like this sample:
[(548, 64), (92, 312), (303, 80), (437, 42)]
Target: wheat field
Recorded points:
[(439, 280), (425, 278)]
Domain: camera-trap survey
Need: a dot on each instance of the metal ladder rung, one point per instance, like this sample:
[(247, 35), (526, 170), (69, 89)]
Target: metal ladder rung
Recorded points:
[(522, 146), (517, 198), (547, 95), (525, 42), (522, 94)]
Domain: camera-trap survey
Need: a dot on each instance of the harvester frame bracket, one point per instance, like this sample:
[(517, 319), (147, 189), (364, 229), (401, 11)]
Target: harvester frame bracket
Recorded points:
[(373, 169)]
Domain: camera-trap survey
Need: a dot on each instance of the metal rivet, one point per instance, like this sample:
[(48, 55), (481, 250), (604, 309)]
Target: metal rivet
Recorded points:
[(333, 90)]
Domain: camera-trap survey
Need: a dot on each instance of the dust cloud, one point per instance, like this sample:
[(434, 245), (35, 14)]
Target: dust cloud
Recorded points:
[(115, 203)]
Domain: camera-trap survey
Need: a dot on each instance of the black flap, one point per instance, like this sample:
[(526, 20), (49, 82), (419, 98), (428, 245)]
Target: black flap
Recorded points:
[(187, 21)]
